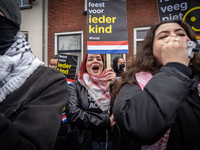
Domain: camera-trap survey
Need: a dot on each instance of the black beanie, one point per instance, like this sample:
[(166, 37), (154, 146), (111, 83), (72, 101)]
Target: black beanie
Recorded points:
[(11, 10), (115, 66)]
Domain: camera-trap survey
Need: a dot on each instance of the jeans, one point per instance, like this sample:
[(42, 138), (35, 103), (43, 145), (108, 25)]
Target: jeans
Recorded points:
[(102, 145)]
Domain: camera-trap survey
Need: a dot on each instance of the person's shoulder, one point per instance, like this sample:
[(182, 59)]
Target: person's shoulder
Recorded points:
[(129, 89), (48, 71), (75, 83), (77, 86), (44, 68)]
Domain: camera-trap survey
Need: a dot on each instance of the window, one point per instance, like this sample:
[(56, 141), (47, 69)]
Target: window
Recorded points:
[(70, 43), (85, 9), (139, 34), (23, 4), (26, 34)]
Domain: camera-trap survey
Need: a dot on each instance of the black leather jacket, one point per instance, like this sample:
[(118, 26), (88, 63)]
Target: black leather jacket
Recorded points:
[(81, 119), (147, 114), (30, 116)]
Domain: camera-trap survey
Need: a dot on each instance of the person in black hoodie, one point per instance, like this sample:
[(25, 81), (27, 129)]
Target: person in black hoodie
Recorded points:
[(118, 66), (158, 101), (32, 96), (62, 137)]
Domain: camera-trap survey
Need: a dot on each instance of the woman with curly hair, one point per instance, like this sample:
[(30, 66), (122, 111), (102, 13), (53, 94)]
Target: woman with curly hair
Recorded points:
[(157, 103)]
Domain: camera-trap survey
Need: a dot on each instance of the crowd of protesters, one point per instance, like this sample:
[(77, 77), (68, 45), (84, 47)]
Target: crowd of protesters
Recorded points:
[(153, 105)]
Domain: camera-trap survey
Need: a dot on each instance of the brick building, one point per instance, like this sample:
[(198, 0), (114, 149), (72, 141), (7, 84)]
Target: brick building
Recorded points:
[(67, 26)]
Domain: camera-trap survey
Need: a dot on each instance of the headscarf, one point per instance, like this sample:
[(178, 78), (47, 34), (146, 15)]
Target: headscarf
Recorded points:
[(115, 65), (10, 24), (11, 10)]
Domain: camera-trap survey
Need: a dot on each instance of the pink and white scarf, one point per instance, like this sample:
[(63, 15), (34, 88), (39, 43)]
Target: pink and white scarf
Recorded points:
[(198, 87), (97, 88), (142, 79)]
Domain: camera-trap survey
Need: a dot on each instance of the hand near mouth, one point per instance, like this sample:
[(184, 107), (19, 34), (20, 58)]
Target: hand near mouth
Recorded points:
[(110, 75)]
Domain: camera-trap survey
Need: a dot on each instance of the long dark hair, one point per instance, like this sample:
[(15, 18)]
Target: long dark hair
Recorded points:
[(145, 60)]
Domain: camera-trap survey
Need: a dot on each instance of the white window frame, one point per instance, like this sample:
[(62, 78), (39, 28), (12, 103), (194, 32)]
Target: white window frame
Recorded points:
[(26, 34), (24, 5), (68, 33), (135, 40), (85, 5)]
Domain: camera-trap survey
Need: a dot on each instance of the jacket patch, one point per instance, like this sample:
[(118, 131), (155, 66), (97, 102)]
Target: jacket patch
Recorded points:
[(64, 118)]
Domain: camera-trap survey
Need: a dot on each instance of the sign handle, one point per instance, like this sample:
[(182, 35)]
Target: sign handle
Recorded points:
[(108, 58)]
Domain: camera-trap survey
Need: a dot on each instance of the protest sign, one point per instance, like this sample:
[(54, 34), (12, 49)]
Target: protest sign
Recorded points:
[(187, 10), (67, 65), (107, 31)]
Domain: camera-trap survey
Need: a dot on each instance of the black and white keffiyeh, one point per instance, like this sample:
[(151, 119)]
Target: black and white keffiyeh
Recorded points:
[(16, 65)]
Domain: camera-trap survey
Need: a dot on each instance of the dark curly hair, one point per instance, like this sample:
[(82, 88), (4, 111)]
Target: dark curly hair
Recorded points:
[(145, 60)]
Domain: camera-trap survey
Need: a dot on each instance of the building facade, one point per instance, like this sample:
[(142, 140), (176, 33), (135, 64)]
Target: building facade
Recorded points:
[(67, 26), (34, 25)]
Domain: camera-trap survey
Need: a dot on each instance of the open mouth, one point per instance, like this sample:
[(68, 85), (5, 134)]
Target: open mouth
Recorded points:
[(95, 68)]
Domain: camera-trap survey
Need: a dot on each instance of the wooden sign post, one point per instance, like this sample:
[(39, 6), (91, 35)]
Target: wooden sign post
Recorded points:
[(108, 65)]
